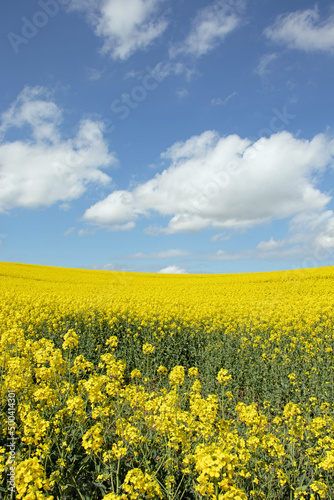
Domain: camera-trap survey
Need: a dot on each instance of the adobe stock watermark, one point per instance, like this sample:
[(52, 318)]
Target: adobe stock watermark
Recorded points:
[(11, 400), (277, 123), (128, 101), (31, 27), (122, 107)]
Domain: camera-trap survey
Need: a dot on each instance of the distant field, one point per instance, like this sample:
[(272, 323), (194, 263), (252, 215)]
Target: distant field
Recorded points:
[(136, 386)]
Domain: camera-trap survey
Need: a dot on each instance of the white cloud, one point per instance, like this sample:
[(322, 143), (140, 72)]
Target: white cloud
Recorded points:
[(217, 101), (303, 30), (41, 168), (313, 231), (124, 25), (64, 206), (164, 254), (287, 253), (223, 255), (122, 210), (310, 241), (93, 74), (128, 226), (32, 108), (265, 61), (172, 270), (69, 231), (195, 147), (268, 245), (85, 232), (220, 237), (209, 28), (225, 182), (182, 93), (167, 68)]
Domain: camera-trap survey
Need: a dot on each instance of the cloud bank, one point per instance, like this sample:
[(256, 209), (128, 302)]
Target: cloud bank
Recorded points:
[(225, 182)]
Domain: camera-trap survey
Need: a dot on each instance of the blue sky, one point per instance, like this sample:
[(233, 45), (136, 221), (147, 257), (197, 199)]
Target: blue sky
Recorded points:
[(167, 136)]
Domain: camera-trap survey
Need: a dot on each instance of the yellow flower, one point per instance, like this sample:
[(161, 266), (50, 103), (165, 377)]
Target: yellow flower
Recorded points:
[(320, 488), (112, 341), (196, 387), (193, 372), (139, 484), (148, 348), (290, 410), (229, 395), (176, 376), (118, 450), (30, 479), (92, 440), (71, 339), (327, 463), (113, 496), (223, 376), (76, 405), (162, 369), (80, 363), (135, 373)]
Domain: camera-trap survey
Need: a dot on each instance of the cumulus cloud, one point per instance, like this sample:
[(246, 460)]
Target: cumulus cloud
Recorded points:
[(303, 30), (172, 270), (40, 167), (209, 28), (125, 26), (225, 182)]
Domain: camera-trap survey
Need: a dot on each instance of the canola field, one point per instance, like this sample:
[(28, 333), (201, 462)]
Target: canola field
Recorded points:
[(122, 386)]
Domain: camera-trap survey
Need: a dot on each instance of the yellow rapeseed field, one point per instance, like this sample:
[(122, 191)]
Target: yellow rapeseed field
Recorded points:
[(121, 386)]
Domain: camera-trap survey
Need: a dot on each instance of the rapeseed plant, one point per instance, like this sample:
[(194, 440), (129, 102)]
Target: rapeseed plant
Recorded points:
[(149, 386)]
